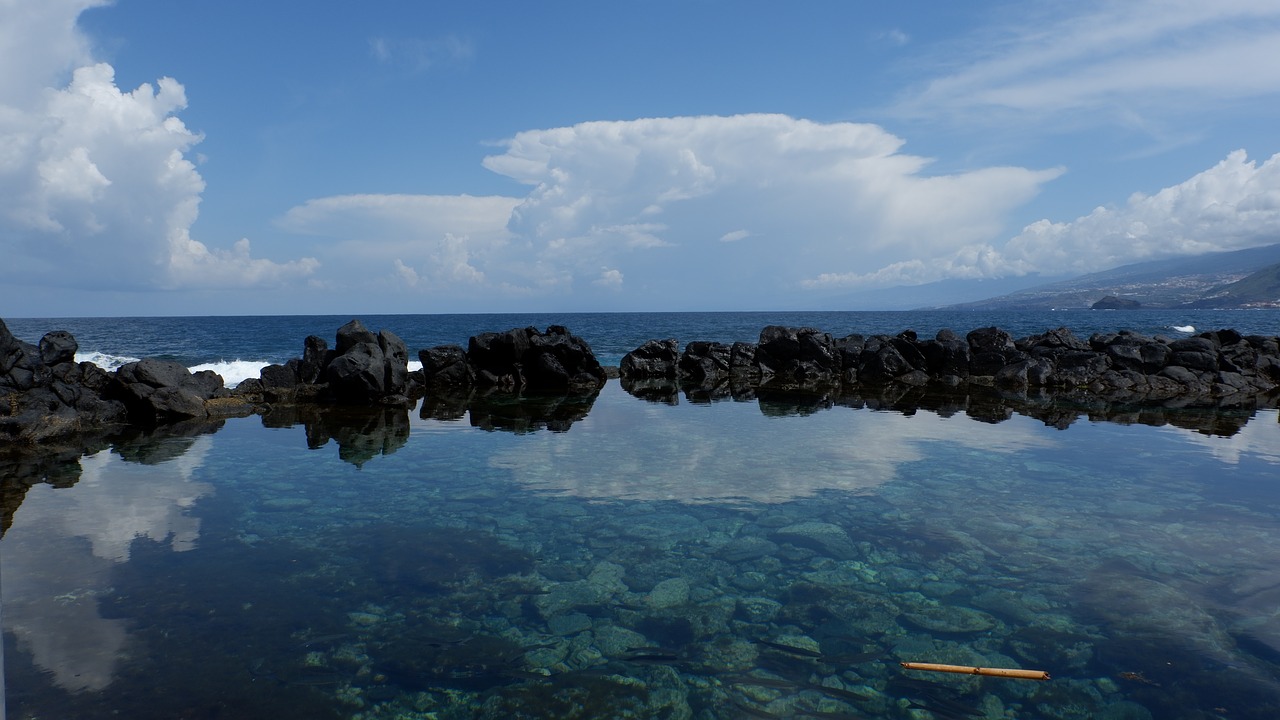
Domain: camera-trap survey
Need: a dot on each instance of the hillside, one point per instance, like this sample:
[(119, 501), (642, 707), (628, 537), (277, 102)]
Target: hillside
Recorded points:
[(1239, 279), (1261, 289)]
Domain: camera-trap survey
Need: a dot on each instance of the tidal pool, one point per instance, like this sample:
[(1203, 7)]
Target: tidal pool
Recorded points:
[(649, 560)]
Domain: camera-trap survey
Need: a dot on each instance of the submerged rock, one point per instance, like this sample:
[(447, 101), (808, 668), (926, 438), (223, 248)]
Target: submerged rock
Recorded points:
[(826, 538)]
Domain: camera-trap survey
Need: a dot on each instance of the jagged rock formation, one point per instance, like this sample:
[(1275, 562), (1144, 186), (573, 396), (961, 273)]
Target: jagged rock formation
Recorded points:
[(518, 360), (1221, 366), (363, 369)]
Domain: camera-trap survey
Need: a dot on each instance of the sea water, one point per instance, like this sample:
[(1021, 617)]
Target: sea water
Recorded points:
[(670, 559)]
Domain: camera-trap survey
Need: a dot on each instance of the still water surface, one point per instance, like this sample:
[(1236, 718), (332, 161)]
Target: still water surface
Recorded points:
[(720, 560)]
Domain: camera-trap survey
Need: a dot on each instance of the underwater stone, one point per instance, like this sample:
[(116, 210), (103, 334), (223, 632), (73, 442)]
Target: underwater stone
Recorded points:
[(951, 619), (668, 593), (613, 640), (746, 548), (759, 609), (751, 580), (364, 619), (826, 538), (570, 624)]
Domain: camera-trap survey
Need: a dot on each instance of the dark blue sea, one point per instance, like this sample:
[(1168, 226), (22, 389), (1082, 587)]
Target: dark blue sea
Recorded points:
[(620, 557)]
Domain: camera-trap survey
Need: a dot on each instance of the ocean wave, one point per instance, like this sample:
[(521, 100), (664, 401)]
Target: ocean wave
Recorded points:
[(1183, 328), (233, 372), (107, 362)]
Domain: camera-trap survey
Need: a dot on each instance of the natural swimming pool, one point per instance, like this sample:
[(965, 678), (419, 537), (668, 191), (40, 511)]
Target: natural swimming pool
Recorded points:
[(699, 560)]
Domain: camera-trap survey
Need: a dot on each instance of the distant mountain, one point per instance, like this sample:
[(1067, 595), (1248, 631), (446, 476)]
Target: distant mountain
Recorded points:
[(1261, 289), (935, 294), (1243, 278)]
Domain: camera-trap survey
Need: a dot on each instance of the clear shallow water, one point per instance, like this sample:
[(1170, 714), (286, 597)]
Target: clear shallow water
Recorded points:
[(688, 561)]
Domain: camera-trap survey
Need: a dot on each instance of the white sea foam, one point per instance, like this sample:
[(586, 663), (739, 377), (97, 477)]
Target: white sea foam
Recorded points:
[(104, 361), (1183, 328), (233, 372)]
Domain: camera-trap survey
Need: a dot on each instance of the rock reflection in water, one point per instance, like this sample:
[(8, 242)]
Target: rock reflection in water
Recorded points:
[(1056, 409), (509, 411), (361, 433)]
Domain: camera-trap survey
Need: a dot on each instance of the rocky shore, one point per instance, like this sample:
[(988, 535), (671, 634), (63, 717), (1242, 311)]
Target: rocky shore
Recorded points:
[(46, 396), (1222, 367)]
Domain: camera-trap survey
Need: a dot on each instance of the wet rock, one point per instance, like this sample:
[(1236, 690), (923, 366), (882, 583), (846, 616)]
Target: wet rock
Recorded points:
[(758, 609), (667, 594), (751, 547), (704, 363), (445, 366), (826, 538), (950, 619), (797, 358), (653, 359), (569, 624)]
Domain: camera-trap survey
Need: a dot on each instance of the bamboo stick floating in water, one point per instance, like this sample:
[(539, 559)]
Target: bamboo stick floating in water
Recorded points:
[(970, 670)]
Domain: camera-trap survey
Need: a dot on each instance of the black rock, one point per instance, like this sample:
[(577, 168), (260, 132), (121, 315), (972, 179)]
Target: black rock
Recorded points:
[(653, 359)]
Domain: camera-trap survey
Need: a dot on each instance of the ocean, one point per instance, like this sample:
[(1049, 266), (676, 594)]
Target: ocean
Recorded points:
[(629, 557)]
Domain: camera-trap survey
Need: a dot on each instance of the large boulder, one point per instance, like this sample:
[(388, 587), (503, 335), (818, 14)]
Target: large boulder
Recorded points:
[(559, 361), (654, 359), (156, 391), (358, 375), (947, 355), (365, 368), (445, 366), (529, 360), (705, 363), (797, 358), (887, 359)]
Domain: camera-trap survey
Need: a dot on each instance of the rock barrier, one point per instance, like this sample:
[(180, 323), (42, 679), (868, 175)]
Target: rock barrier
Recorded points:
[(1220, 366), (45, 394)]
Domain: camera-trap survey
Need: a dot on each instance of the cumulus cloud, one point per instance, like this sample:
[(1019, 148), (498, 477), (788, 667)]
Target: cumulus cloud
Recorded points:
[(1141, 56), (428, 242), (609, 278), (1231, 206), (667, 204), (824, 195), (95, 186)]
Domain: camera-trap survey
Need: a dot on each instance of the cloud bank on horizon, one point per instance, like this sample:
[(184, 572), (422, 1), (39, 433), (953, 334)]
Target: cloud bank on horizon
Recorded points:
[(100, 189)]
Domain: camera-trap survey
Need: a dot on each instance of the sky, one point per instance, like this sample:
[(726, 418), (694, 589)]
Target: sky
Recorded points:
[(397, 156)]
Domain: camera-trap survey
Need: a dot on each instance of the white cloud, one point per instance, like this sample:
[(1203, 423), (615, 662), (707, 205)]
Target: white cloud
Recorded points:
[(407, 275), (835, 195), (192, 265), (1129, 58), (434, 243), (95, 186), (1231, 206), (735, 236), (609, 278)]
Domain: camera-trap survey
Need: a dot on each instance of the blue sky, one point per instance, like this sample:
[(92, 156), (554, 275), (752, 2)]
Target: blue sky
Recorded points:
[(236, 157)]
